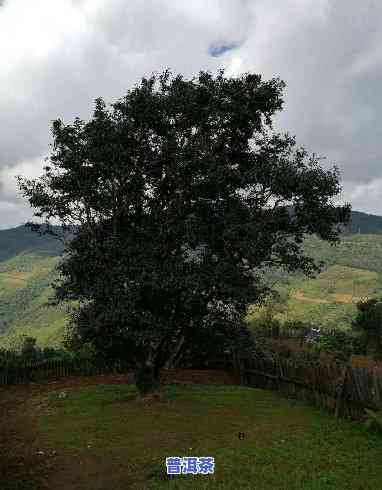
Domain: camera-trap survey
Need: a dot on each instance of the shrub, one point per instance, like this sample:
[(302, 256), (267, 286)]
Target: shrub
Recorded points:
[(338, 343), (374, 420), (29, 349), (297, 327), (368, 323)]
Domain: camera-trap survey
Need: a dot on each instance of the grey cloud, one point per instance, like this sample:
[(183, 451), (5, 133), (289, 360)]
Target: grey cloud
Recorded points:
[(122, 45), (217, 49), (331, 109), (328, 52), (103, 53)]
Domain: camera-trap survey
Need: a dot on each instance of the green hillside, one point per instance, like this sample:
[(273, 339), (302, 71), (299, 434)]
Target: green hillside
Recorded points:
[(353, 271), (22, 240), (331, 298), (27, 262), (359, 251), (24, 291)]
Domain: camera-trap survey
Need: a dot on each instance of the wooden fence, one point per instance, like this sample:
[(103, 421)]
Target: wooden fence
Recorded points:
[(343, 389), (42, 370), (37, 371)]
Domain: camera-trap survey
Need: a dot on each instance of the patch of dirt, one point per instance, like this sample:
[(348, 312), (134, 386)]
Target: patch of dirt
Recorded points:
[(198, 376), (20, 467), (336, 298), (349, 298), (26, 466), (301, 297), (365, 362), (75, 472)]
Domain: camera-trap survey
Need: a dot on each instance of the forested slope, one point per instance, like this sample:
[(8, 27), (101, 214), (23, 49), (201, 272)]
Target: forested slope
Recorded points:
[(27, 268)]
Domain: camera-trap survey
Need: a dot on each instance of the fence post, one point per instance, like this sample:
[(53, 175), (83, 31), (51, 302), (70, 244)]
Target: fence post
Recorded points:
[(239, 366), (235, 363), (341, 391)]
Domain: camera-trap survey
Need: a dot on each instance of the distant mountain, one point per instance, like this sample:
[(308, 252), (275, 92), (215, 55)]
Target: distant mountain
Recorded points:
[(21, 241), (360, 223), (364, 224)]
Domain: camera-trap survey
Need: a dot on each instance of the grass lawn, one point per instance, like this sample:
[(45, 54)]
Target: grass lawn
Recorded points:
[(105, 439)]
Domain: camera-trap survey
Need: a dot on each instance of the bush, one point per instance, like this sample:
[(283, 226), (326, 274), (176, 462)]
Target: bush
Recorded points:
[(374, 421), (368, 323), (265, 326), (297, 327), (29, 350), (49, 353), (340, 344)]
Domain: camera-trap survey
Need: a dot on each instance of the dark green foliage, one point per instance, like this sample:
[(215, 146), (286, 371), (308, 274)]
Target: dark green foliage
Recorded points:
[(369, 323), (374, 420), (297, 327), (31, 352), (168, 239), (214, 342), (265, 326), (28, 349), (340, 344)]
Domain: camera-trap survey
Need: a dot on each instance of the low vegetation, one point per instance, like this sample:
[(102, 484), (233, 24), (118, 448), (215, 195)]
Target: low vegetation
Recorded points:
[(104, 438)]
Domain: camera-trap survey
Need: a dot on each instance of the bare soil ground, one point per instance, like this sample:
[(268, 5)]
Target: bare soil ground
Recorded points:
[(21, 465), (334, 298)]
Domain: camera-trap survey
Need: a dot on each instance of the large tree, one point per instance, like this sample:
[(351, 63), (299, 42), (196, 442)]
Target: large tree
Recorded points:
[(178, 196)]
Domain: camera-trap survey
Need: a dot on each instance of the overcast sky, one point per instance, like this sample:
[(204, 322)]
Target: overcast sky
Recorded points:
[(58, 56)]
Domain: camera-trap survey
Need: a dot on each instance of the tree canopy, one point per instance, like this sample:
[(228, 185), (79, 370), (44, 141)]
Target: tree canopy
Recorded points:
[(177, 197)]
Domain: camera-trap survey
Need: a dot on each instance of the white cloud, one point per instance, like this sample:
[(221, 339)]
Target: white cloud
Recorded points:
[(14, 209), (366, 197)]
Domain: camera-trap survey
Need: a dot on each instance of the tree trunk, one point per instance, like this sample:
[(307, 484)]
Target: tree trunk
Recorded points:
[(147, 381), (147, 373), (174, 353), (147, 376)]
